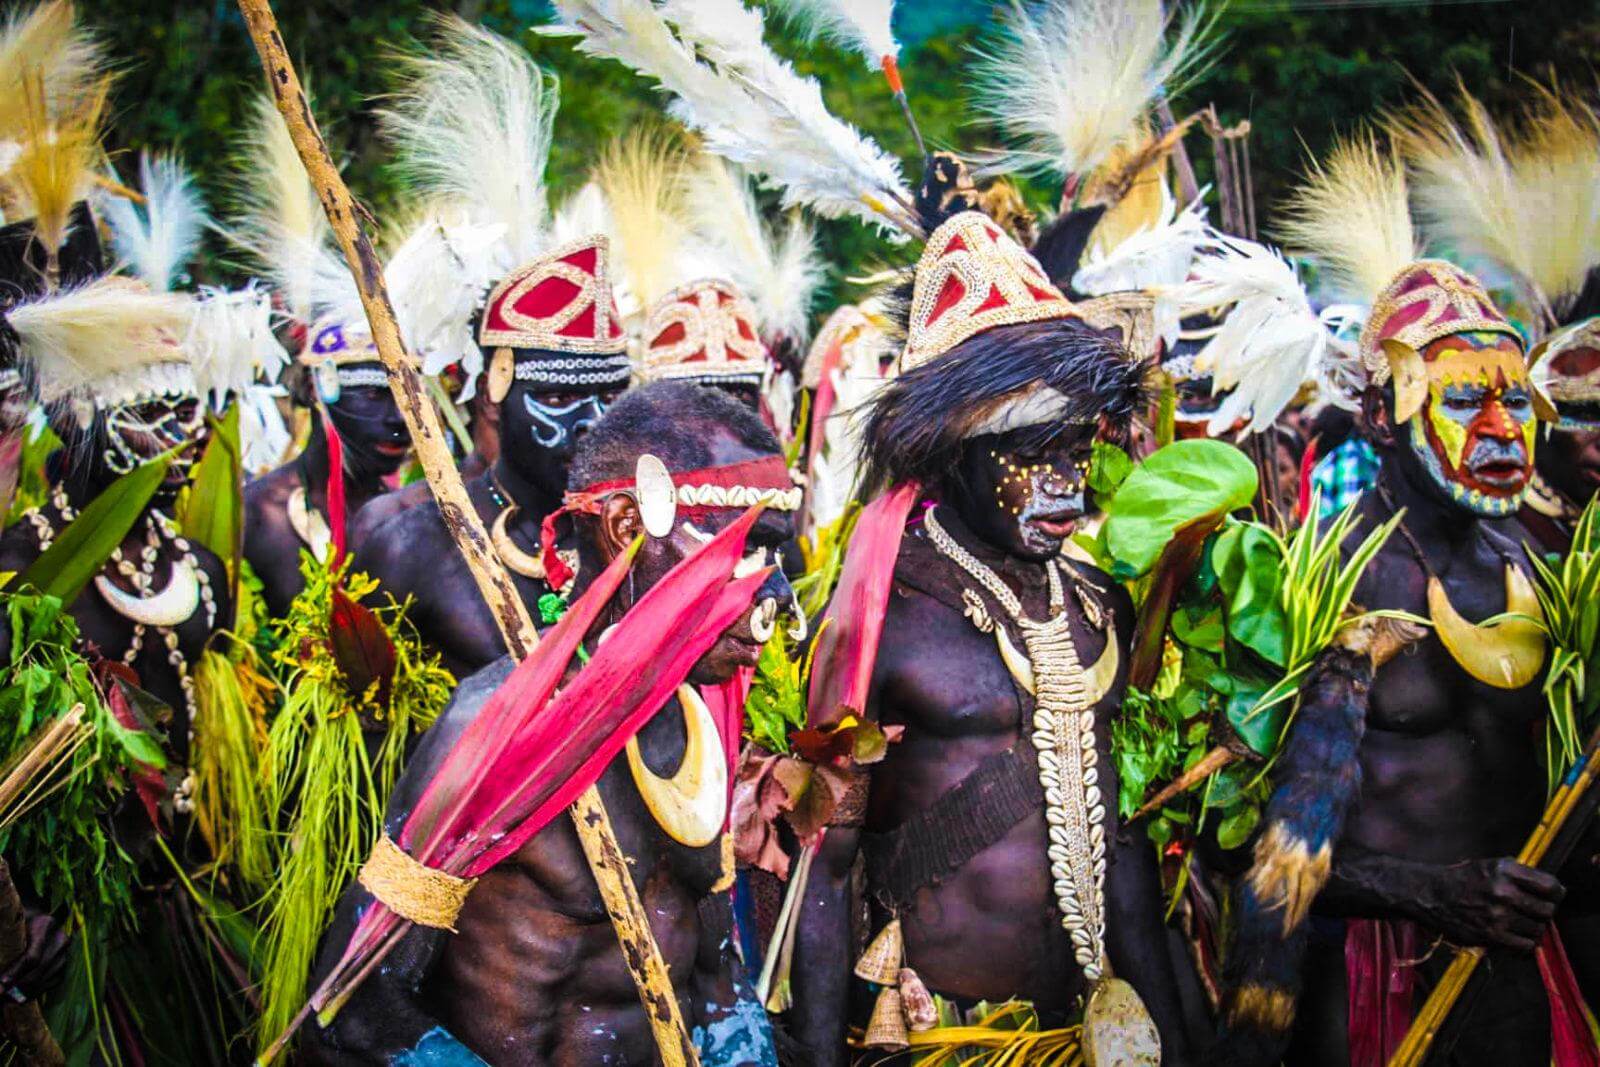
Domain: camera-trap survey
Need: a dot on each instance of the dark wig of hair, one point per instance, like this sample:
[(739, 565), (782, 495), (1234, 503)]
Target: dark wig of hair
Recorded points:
[(672, 420), (23, 261), (916, 424)]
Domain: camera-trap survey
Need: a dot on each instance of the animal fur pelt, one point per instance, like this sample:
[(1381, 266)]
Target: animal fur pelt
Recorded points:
[(1315, 783)]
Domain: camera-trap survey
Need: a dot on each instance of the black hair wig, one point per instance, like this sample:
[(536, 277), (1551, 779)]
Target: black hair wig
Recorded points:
[(672, 420), (915, 425)]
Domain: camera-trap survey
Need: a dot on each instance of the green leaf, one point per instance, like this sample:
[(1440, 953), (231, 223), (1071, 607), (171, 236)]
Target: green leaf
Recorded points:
[(1236, 829), (1183, 483), (1249, 565), (1199, 626), (1258, 727), (88, 541), (212, 512), (1109, 467)]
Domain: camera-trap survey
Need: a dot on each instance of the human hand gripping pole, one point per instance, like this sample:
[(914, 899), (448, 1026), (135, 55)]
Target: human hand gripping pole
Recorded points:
[(606, 858)]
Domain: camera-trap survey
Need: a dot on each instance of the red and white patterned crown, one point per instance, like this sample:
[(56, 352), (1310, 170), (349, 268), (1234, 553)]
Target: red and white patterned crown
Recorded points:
[(561, 302), (1427, 300), (973, 277), (705, 330)]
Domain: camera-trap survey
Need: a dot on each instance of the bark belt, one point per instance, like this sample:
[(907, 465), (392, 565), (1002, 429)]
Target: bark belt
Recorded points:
[(940, 839)]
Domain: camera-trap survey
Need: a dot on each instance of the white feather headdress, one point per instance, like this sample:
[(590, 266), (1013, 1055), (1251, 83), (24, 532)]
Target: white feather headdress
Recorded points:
[(276, 216), (776, 265), (111, 340), (863, 26), (1069, 81), (472, 130), (1270, 343), (1527, 203), (155, 242), (436, 276), (748, 105)]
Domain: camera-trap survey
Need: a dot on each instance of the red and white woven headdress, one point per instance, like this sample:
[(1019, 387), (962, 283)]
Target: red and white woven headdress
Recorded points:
[(972, 277), (705, 331)]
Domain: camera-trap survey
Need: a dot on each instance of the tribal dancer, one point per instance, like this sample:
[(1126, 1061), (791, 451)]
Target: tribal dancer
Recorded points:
[(1002, 390), (555, 345), (435, 273), (1523, 200), (532, 972), (1404, 790)]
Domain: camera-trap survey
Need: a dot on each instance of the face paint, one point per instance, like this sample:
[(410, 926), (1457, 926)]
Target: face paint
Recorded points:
[(137, 433), (553, 425), (1475, 433), (1033, 500), (372, 431)]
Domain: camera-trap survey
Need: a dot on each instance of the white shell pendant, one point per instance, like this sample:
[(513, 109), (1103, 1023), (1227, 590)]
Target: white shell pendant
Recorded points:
[(657, 496), (1117, 1028), (173, 605)]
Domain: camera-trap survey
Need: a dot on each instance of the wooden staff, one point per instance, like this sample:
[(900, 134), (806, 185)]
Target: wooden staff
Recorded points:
[(605, 855), (1567, 804)]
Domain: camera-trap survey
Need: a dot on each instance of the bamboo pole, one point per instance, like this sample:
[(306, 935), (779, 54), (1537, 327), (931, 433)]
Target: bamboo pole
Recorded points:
[(606, 858), (1413, 1051)]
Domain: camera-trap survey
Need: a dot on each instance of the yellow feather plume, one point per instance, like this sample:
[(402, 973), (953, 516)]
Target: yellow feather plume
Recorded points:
[(54, 167), (1351, 216), (45, 44), (1526, 200), (642, 177)]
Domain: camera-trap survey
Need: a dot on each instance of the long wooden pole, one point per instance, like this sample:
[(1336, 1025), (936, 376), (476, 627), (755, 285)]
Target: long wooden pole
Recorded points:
[(1568, 799), (605, 855)]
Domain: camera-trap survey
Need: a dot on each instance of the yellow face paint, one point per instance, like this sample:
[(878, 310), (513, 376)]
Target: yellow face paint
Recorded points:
[(1452, 435)]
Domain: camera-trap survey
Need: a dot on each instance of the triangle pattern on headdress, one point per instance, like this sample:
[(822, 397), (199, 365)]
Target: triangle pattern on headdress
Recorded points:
[(561, 302), (1428, 300), (972, 277), (707, 330)]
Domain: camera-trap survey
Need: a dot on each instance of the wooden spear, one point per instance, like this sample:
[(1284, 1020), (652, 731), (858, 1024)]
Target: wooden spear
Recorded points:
[(1567, 805), (605, 855)]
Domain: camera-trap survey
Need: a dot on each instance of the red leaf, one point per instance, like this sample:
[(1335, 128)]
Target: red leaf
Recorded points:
[(360, 647), (147, 780)]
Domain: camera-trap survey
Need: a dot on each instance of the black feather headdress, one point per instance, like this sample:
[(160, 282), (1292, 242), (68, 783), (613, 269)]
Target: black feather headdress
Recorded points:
[(915, 425)]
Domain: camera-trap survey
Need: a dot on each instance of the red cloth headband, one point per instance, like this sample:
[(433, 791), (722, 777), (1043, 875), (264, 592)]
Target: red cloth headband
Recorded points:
[(741, 485)]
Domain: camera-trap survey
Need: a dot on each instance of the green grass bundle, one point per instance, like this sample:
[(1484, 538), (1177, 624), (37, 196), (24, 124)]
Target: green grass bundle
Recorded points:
[(334, 752)]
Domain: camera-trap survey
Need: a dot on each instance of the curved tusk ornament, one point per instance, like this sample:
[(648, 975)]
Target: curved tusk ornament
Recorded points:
[(764, 620), (691, 805), (309, 525), (1507, 654), (515, 559), (1098, 679), (175, 604)]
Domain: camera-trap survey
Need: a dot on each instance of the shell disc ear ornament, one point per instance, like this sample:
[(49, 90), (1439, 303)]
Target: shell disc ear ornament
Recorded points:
[(656, 495), (326, 376), (502, 368)]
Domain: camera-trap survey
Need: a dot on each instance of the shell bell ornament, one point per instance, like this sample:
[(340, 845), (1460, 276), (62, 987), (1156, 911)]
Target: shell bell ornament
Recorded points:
[(176, 602), (656, 495), (692, 804)]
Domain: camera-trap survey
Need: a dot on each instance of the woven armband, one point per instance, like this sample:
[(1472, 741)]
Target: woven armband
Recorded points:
[(412, 890), (851, 810)]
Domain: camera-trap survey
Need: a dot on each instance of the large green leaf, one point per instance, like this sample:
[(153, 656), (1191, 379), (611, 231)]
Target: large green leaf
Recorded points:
[(212, 512), (1249, 566), (88, 541), (1175, 486)]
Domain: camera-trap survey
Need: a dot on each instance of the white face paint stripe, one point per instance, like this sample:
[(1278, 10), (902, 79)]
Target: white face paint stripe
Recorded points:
[(549, 431)]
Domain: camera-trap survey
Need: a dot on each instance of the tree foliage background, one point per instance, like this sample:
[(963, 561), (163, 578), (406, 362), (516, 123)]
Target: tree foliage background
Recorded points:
[(1298, 70)]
